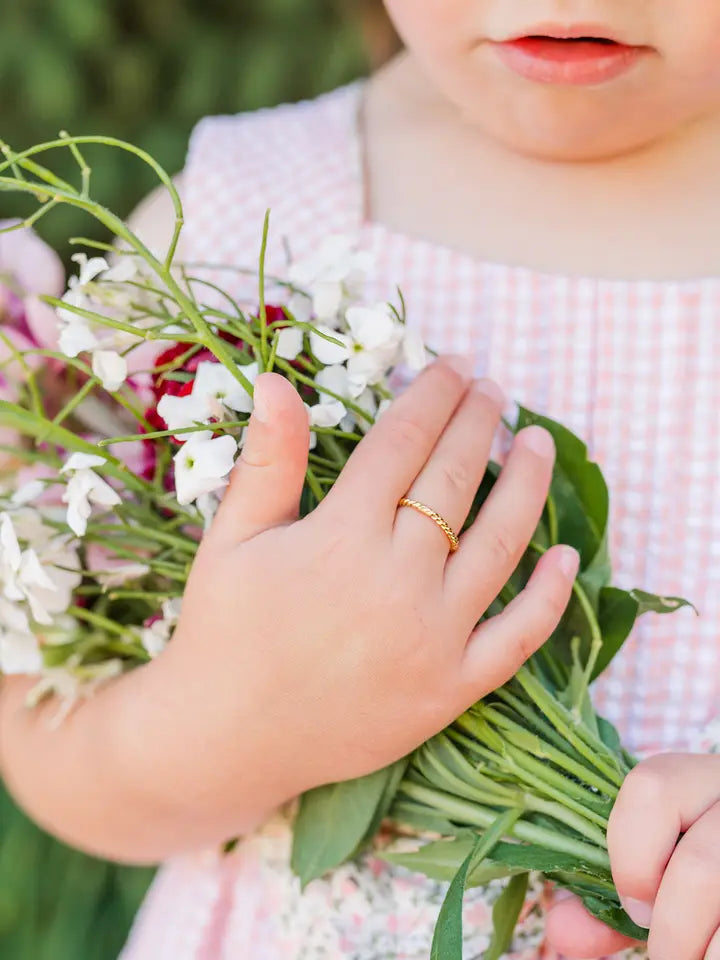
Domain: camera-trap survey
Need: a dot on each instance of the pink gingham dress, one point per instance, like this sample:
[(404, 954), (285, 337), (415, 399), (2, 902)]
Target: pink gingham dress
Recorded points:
[(632, 367)]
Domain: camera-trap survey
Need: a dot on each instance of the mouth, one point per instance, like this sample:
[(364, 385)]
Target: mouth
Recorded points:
[(574, 55)]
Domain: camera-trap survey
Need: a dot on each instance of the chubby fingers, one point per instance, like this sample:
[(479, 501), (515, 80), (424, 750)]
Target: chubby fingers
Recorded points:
[(664, 843), (575, 934)]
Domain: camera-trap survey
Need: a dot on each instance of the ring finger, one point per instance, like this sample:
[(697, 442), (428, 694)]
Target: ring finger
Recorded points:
[(449, 480)]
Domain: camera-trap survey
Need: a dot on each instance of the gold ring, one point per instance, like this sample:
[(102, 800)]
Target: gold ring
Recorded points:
[(435, 517)]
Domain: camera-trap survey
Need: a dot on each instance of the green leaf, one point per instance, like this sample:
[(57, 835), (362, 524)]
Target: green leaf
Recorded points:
[(447, 939), (334, 820), (394, 778), (650, 603), (609, 735), (580, 497), (612, 915), (528, 857), (441, 860), (506, 913), (617, 613)]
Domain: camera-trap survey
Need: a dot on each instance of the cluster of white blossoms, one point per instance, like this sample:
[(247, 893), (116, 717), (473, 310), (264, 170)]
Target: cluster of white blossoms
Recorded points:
[(39, 570), (105, 291), (45, 550), (358, 345)]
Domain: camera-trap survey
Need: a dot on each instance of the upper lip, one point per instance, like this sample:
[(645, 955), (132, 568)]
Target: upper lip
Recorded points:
[(567, 32)]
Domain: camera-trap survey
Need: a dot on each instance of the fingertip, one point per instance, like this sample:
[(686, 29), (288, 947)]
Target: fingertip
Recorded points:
[(568, 560), (573, 932), (539, 440)]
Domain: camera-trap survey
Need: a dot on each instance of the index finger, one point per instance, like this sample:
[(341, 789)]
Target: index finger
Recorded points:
[(384, 464)]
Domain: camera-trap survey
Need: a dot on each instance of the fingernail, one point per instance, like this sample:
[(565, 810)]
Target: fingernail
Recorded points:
[(261, 410), (638, 911), (490, 389), (460, 363), (569, 561), (539, 441)]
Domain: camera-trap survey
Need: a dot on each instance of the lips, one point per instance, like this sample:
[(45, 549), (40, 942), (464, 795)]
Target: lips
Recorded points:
[(569, 56)]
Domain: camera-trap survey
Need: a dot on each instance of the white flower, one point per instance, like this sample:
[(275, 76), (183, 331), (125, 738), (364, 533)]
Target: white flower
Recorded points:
[(27, 493), (327, 413), (327, 352), (214, 389), (289, 342), (181, 412), (90, 268), (43, 583), (19, 652), (371, 348), (155, 637), (85, 488), (82, 461), (202, 465), (377, 336), (332, 275), (337, 379), (76, 335), (414, 352), (215, 382), (117, 574), (110, 368)]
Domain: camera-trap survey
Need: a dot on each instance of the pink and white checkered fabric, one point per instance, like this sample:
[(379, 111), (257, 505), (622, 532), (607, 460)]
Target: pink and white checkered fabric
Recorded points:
[(632, 367)]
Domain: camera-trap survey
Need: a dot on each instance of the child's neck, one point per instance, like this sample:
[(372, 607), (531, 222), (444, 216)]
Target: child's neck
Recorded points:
[(653, 213)]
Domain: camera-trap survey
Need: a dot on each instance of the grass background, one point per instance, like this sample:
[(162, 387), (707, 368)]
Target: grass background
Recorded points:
[(145, 71)]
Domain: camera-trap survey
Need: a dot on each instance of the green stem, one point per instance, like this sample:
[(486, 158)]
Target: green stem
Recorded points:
[(462, 812)]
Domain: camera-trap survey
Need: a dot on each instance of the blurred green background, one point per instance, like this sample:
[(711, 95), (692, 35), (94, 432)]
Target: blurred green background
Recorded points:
[(145, 71)]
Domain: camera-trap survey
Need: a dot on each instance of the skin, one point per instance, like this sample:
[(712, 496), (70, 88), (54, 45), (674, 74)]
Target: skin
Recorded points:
[(626, 145), (353, 629)]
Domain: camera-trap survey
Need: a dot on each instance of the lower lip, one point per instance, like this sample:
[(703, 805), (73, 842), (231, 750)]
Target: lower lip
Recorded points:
[(572, 63)]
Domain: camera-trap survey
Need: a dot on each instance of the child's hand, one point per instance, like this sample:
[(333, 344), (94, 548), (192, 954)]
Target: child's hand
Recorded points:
[(664, 841), (310, 650), (338, 643)]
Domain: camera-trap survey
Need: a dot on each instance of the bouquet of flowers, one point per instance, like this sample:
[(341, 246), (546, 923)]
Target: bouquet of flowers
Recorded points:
[(123, 404)]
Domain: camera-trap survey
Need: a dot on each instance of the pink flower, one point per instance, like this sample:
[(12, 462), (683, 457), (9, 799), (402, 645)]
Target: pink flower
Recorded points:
[(30, 262), (28, 269)]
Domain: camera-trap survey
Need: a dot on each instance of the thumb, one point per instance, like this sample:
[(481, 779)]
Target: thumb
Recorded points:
[(574, 933), (267, 479)]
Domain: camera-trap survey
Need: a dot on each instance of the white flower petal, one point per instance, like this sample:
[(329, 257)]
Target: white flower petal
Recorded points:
[(327, 299), (10, 553), (335, 378), (202, 465), (413, 348), (180, 412), (289, 342), (27, 493), (327, 352), (213, 380), (110, 368), (300, 307), (374, 327), (90, 268), (13, 617), (19, 653), (76, 337), (82, 461), (329, 413), (117, 575)]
